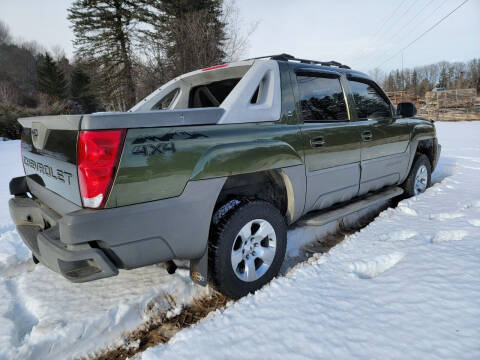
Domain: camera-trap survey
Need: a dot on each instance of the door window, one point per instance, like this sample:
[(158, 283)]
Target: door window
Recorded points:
[(322, 99), (369, 102)]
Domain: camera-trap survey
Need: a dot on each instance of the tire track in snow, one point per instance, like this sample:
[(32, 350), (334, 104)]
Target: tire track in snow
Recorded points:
[(372, 268), (449, 235), (15, 259), (23, 320)]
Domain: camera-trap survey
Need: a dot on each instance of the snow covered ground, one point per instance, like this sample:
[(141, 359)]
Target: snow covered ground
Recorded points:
[(406, 286)]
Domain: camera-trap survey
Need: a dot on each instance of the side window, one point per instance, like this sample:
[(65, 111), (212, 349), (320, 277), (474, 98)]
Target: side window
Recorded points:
[(322, 99), (369, 103), (166, 101)]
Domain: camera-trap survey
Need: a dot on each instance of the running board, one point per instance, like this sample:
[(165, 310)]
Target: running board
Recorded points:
[(322, 217)]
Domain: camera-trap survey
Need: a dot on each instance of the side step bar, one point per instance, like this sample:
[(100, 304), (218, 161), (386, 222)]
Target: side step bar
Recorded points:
[(322, 217)]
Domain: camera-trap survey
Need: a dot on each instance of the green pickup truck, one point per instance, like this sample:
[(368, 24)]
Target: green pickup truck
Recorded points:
[(212, 167)]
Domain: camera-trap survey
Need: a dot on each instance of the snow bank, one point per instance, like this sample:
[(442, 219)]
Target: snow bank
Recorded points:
[(406, 286), (44, 316)]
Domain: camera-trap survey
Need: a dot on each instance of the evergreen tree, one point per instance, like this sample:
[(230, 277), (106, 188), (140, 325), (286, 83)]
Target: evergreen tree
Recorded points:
[(398, 80), (51, 79), (407, 77), (389, 83), (104, 31), (443, 81), (81, 91), (451, 77), (414, 81)]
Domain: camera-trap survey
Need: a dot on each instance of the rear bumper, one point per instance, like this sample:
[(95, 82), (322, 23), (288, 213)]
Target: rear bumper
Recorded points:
[(77, 263), (84, 245)]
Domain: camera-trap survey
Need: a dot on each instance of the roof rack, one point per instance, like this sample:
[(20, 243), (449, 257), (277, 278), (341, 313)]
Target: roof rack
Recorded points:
[(287, 57)]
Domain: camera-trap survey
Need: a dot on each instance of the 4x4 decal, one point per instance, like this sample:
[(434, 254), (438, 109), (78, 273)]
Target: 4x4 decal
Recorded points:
[(152, 149), (161, 144)]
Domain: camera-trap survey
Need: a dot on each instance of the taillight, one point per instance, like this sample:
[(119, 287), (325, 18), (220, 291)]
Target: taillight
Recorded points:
[(98, 154)]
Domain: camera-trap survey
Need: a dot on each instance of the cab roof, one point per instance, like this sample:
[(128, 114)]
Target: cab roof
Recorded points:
[(326, 65)]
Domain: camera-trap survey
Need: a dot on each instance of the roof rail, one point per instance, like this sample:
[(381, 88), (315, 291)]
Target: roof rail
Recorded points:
[(287, 57)]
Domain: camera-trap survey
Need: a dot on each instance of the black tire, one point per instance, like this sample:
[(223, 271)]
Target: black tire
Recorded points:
[(226, 233), (409, 185)]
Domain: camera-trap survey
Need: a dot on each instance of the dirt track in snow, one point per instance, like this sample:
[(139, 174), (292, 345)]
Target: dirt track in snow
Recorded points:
[(161, 328)]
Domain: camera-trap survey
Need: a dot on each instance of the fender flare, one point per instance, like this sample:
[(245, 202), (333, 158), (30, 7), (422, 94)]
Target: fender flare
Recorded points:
[(419, 132), (244, 158)]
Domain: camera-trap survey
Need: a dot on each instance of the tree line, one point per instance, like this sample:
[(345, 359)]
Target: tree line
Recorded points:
[(124, 49), (419, 80)]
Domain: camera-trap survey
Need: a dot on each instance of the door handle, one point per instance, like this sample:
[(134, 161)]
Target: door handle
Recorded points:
[(367, 135), (317, 142)]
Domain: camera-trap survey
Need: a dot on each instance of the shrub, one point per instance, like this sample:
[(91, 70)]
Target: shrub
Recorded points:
[(9, 126)]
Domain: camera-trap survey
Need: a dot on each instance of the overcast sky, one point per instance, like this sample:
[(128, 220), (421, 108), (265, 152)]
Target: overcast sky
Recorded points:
[(363, 33)]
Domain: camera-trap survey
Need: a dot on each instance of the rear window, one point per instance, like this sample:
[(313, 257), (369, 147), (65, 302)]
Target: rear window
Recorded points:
[(322, 99), (212, 94)]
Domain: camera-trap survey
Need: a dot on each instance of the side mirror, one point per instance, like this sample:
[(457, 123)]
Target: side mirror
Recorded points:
[(406, 109)]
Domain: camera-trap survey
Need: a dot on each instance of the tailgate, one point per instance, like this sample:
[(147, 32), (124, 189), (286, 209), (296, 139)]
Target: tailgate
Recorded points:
[(49, 153)]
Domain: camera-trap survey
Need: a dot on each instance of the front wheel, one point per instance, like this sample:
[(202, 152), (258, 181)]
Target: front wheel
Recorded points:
[(420, 176), (247, 248)]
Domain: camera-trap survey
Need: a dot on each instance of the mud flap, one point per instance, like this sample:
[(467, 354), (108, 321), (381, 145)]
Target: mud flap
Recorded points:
[(199, 270)]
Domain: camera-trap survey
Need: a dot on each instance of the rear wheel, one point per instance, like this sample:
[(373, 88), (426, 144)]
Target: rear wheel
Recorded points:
[(247, 248), (419, 178)]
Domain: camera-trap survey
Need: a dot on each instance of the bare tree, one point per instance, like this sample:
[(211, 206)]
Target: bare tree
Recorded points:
[(377, 74), (58, 53), (9, 94), (51, 105), (5, 37), (196, 43), (237, 33), (33, 47)]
